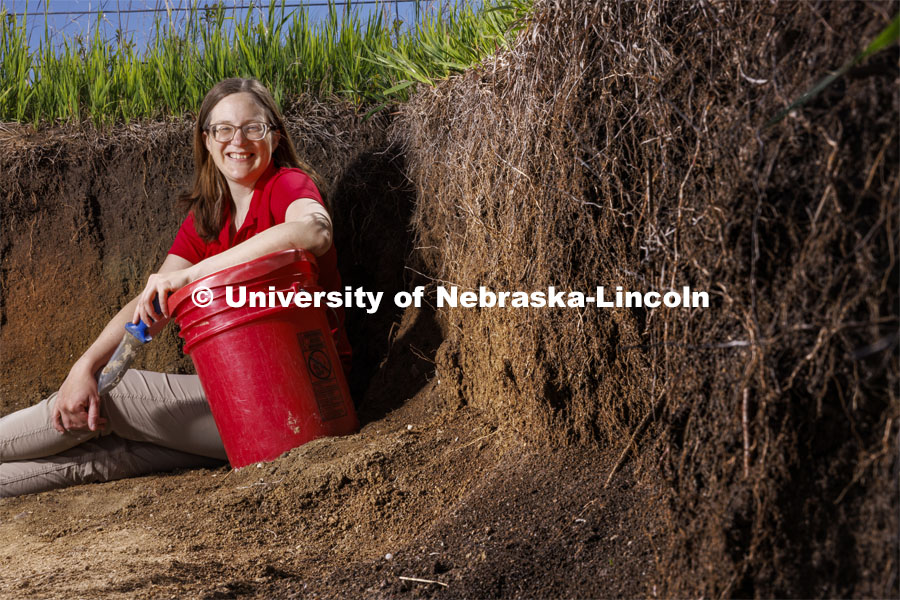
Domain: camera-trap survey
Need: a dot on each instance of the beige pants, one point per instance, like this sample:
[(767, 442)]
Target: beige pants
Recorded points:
[(155, 422)]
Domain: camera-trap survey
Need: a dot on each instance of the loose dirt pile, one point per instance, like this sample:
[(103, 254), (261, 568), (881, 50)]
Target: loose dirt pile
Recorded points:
[(424, 493), (751, 448)]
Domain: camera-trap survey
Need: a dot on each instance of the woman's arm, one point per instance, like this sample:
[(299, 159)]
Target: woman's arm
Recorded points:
[(78, 403), (307, 226)]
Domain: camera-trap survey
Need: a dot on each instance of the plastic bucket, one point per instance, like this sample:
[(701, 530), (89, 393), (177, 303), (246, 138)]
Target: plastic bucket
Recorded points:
[(272, 375)]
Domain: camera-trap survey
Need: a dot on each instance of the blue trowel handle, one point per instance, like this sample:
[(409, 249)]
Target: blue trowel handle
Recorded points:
[(140, 330)]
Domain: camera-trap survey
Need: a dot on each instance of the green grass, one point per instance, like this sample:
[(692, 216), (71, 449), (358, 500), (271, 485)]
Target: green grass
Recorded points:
[(369, 62), (888, 37)]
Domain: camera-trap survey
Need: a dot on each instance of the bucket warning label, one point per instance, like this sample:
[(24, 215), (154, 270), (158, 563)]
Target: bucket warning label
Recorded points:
[(321, 375), (319, 365)]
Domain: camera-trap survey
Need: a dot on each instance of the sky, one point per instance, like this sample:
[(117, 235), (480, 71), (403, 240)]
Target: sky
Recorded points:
[(78, 17)]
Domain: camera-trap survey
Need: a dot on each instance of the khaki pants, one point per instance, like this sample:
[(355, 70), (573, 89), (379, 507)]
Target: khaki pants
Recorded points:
[(155, 422)]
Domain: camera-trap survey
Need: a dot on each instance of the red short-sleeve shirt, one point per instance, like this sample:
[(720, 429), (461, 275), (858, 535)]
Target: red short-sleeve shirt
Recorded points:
[(275, 190)]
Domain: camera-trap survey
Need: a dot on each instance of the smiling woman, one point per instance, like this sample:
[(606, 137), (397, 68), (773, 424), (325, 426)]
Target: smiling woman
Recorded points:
[(229, 167), (239, 143), (251, 196)]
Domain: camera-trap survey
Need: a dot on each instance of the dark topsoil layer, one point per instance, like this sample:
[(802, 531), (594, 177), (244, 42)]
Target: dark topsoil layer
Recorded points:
[(750, 449)]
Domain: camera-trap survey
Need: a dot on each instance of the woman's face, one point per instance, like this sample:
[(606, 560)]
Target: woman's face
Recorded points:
[(240, 160)]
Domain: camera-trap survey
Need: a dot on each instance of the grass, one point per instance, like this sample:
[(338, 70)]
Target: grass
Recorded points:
[(370, 62), (888, 37)]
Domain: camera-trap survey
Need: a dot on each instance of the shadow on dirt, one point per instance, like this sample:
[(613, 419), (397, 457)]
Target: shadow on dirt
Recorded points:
[(393, 348)]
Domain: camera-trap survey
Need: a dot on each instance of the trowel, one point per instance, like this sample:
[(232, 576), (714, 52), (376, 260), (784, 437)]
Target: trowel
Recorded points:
[(135, 337)]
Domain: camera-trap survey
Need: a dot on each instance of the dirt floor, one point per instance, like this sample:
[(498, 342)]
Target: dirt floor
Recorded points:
[(763, 432), (425, 493)]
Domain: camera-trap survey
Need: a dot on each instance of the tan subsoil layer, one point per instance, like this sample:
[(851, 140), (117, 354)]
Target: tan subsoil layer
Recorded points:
[(451, 498)]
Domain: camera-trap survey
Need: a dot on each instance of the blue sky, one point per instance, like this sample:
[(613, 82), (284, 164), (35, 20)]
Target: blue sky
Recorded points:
[(140, 24)]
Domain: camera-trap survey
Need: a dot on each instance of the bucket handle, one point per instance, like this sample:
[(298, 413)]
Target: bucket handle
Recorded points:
[(296, 287)]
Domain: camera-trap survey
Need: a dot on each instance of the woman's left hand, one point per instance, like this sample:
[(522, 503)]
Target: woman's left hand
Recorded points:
[(159, 285)]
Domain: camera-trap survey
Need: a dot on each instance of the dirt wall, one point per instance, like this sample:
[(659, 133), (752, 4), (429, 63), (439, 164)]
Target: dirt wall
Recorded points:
[(624, 144), (87, 215)]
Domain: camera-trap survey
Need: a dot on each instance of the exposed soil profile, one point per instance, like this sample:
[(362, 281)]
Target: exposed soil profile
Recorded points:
[(745, 450)]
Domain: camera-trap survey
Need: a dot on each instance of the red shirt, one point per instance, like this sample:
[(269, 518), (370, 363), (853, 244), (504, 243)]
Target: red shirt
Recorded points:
[(275, 190)]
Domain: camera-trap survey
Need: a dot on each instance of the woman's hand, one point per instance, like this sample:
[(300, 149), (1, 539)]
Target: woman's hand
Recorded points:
[(159, 285), (77, 406)]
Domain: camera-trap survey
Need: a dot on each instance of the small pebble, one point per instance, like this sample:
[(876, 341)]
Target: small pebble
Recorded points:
[(409, 427), (388, 556)]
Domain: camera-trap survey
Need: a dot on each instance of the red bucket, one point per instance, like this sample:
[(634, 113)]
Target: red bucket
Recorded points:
[(272, 375)]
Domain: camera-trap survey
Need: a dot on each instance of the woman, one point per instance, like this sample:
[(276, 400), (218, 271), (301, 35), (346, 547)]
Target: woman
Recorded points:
[(249, 198)]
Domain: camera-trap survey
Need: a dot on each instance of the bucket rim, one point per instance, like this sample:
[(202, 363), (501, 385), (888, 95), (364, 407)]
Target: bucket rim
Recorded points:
[(243, 272)]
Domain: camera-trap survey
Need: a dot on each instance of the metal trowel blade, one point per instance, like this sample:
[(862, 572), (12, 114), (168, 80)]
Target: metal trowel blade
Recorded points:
[(135, 337), (118, 364)]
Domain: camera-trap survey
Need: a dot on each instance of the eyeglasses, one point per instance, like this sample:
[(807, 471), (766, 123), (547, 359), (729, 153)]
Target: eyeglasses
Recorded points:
[(251, 131)]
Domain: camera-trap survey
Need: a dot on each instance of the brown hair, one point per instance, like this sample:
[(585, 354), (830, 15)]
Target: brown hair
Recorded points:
[(209, 191)]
